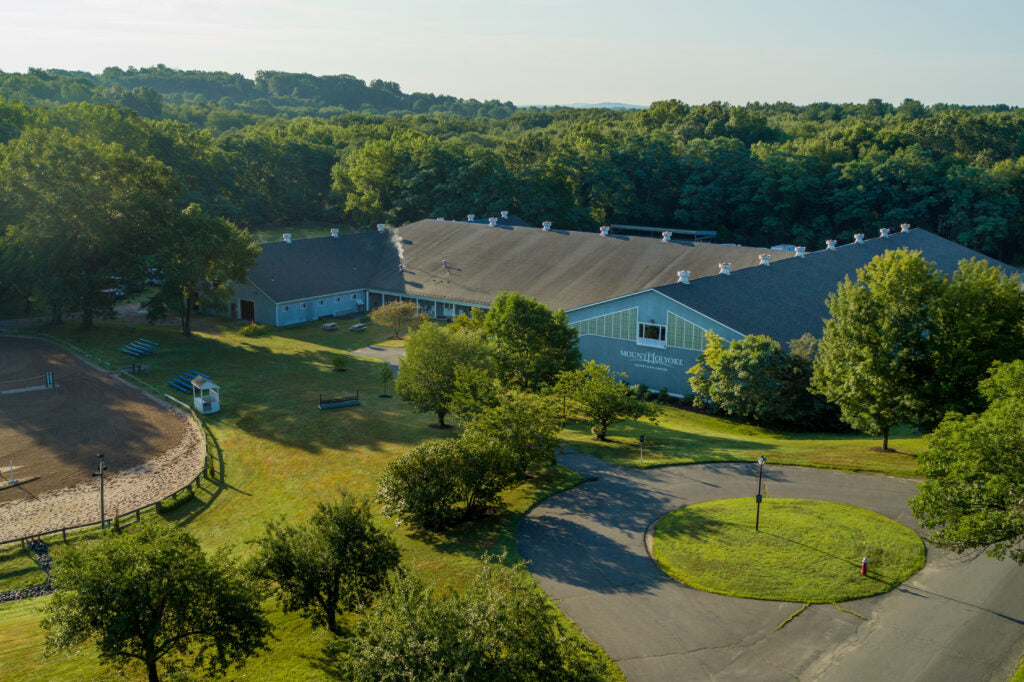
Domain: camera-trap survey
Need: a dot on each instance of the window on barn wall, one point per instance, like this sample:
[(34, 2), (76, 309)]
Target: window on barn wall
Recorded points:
[(651, 334), (684, 334), (620, 325)]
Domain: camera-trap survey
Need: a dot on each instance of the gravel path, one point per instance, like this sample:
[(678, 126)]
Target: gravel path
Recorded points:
[(124, 491)]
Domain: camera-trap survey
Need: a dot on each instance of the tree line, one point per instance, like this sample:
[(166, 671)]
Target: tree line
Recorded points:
[(758, 174)]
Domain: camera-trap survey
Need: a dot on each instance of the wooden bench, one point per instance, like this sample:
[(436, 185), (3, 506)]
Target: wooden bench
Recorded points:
[(329, 326)]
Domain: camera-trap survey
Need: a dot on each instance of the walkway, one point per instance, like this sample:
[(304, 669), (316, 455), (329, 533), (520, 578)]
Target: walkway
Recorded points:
[(954, 620)]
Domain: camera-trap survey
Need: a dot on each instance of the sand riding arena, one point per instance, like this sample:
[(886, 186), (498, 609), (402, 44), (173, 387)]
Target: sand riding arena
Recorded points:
[(52, 436)]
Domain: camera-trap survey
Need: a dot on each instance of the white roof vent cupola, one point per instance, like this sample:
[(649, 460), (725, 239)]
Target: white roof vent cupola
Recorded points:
[(684, 276), (830, 244), (666, 236), (764, 259), (546, 226), (470, 217), (858, 238), (381, 227), (884, 232), (801, 251), (286, 237), (334, 232), (492, 222), (605, 230), (504, 215), (904, 227), (724, 268)]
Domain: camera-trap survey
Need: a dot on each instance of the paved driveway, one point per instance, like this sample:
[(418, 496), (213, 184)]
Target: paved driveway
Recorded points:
[(388, 354), (954, 620)]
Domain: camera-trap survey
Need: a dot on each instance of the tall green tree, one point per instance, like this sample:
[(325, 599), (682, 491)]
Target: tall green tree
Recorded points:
[(531, 344), (603, 396), (83, 212), (426, 376), (980, 321), (875, 357), (196, 259), (337, 562), (974, 473), (150, 595)]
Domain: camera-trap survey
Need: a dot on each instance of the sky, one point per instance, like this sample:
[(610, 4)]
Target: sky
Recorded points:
[(536, 52)]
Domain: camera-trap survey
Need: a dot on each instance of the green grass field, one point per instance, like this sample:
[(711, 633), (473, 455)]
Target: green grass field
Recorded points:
[(280, 455), (806, 550), (681, 436)]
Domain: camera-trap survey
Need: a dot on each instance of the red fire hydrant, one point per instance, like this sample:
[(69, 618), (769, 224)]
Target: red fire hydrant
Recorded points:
[(864, 566)]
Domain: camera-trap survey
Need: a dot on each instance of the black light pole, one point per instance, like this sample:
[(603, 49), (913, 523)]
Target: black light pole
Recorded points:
[(101, 467), (757, 520), (641, 448)]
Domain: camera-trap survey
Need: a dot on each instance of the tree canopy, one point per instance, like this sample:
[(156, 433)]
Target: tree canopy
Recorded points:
[(602, 396), (336, 562), (149, 595), (974, 473)]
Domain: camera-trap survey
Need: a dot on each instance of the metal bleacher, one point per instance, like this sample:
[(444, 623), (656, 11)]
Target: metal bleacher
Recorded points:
[(183, 382)]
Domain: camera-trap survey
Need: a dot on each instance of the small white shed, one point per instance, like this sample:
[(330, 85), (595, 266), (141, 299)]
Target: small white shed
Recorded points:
[(205, 395)]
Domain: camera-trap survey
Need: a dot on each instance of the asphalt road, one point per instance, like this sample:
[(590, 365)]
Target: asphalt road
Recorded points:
[(955, 620)]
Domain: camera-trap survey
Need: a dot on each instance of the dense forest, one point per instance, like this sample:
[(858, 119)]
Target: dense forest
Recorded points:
[(289, 147)]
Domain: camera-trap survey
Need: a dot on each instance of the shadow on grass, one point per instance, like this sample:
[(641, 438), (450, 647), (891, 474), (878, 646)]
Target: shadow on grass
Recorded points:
[(661, 443)]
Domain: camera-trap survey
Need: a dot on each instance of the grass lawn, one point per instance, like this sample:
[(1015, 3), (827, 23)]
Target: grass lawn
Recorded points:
[(18, 569), (681, 436), (806, 550), (280, 455)]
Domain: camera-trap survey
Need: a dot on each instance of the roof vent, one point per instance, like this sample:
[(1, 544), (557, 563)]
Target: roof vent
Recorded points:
[(666, 236), (800, 251), (830, 244), (904, 227), (884, 232), (286, 237), (684, 276), (471, 217), (764, 259), (605, 229), (492, 222), (858, 238), (723, 268), (334, 232), (546, 226), (504, 215)]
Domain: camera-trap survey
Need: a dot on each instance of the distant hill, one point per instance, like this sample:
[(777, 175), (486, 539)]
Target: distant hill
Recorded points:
[(606, 105)]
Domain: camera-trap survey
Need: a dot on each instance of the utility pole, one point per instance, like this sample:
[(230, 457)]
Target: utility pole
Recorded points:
[(102, 466)]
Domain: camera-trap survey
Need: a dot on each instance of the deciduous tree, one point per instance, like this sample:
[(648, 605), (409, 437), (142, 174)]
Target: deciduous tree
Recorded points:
[(151, 594), (875, 357), (397, 314), (603, 397), (337, 562), (974, 473)]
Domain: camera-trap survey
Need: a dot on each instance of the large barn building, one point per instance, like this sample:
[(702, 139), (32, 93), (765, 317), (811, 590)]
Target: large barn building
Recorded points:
[(640, 305)]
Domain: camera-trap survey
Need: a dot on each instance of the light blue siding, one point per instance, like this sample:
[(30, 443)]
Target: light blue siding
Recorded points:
[(658, 365)]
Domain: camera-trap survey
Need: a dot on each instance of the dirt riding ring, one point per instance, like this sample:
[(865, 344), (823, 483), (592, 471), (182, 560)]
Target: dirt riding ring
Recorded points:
[(57, 412)]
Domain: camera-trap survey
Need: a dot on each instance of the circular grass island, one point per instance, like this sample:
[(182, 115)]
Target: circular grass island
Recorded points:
[(806, 550)]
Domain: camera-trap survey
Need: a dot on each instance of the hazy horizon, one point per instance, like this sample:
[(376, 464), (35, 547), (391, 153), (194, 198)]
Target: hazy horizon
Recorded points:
[(561, 52)]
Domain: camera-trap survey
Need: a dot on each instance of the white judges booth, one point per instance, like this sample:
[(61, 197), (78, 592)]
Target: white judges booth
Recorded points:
[(205, 395)]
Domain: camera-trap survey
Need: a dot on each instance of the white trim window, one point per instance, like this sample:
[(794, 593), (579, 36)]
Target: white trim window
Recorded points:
[(650, 334)]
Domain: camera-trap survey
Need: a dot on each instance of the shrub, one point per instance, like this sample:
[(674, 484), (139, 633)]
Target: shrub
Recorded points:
[(442, 481), (501, 628), (170, 504), (339, 362), (253, 329)]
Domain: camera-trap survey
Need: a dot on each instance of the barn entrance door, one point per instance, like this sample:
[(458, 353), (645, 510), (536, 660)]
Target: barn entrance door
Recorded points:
[(248, 310)]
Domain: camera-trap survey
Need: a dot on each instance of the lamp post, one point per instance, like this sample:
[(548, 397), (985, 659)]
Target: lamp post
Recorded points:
[(641, 448), (101, 468), (757, 519)]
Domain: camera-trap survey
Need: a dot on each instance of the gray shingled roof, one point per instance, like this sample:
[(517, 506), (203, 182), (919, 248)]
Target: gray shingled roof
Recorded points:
[(787, 299), (559, 268), (322, 265)]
